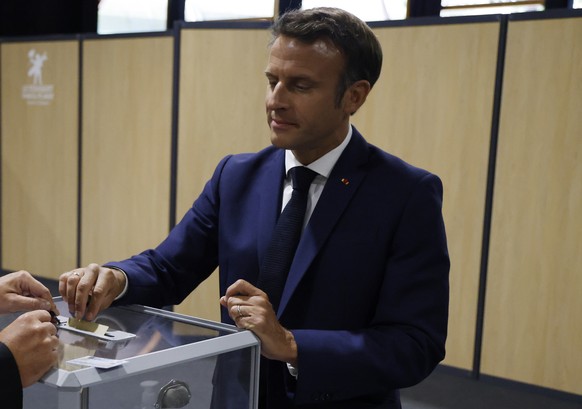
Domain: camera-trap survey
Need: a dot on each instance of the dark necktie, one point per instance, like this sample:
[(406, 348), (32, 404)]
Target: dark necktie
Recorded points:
[(281, 251)]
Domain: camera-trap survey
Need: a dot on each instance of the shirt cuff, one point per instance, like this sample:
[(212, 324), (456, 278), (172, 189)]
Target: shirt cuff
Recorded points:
[(126, 281), (292, 370)]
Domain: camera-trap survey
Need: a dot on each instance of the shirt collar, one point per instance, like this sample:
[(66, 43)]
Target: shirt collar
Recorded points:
[(323, 165)]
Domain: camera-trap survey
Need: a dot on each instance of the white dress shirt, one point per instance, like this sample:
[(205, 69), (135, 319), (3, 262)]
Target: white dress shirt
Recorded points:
[(323, 166)]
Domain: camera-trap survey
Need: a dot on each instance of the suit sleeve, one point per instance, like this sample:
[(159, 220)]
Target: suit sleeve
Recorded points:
[(10, 384), (166, 274), (405, 339)]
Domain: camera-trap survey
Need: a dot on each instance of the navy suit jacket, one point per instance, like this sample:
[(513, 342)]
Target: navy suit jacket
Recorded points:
[(367, 293), (10, 385)]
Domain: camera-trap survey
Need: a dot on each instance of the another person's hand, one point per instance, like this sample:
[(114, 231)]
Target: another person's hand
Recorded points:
[(33, 342), (20, 291), (91, 289), (250, 309)]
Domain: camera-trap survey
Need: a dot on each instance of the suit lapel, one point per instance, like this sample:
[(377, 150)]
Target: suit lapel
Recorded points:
[(342, 184)]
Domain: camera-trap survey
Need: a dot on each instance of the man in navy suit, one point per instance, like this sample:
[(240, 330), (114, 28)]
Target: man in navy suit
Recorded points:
[(364, 309)]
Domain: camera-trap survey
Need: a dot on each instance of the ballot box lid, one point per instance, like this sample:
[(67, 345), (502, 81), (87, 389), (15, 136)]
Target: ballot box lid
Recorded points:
[(157, 338)]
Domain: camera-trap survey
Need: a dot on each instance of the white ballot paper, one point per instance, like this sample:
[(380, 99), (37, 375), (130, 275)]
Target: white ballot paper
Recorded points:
[(97, 362)]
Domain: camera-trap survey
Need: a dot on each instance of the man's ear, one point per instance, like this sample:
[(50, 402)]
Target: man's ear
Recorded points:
[(356, 95)]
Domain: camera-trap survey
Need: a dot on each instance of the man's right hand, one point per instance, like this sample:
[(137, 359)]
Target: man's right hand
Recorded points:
[(33, 342), (91, 289)]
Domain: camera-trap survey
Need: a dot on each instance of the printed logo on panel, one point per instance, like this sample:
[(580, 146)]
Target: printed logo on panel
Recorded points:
[(37, 93)]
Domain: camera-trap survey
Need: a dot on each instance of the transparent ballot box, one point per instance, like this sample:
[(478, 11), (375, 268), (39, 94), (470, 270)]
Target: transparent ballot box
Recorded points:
[(159, 359)]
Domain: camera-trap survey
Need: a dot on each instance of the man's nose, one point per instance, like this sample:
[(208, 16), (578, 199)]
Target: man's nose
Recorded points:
[(277, 97)]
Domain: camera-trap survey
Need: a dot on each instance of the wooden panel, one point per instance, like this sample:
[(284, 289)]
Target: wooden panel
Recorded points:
[(127, 92), (39, 156), (222, 93), (432, 107), (532, 328)]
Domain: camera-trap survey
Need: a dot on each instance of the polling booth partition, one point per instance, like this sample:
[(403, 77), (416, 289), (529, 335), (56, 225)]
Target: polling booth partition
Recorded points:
[(531, 333), (493, 105), (39, 163), (126, 144), (85, 150)]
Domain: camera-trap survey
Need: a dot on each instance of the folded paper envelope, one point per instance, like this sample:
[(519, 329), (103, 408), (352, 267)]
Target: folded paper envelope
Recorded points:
[(87, 326)]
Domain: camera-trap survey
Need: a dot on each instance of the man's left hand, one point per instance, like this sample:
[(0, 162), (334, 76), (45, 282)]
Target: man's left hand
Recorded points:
[(249, 307)]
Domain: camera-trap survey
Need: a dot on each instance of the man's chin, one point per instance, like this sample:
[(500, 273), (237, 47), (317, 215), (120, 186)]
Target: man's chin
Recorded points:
[(280, 140)]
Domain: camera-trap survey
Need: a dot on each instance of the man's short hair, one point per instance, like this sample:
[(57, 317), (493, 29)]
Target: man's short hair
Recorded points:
[(349, 34)]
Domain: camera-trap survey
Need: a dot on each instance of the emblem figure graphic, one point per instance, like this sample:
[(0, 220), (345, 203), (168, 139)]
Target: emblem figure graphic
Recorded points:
[(37, 61)]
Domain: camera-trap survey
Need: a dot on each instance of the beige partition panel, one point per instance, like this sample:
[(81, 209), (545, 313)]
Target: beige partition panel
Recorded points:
[(222, 93), (433, 107), (127, 112), (40, 82), (532, 319)]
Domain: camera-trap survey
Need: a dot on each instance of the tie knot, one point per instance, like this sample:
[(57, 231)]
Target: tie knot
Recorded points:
[(302, 178)]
